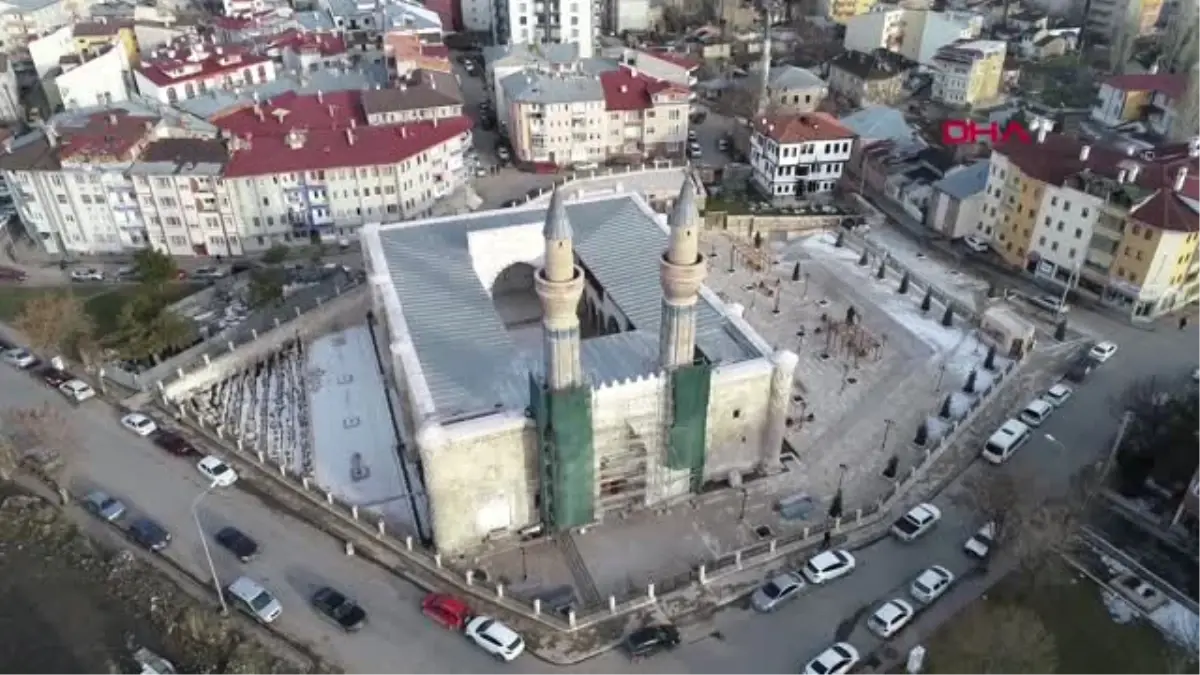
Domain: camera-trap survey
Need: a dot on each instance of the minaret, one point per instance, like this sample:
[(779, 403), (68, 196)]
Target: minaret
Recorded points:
[(683, 270), (559, 284)]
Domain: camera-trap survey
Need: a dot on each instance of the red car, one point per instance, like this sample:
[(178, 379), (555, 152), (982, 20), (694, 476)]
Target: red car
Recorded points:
[(446, 610)]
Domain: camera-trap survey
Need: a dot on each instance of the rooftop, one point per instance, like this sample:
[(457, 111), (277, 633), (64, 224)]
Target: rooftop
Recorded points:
[(100, 28), (794, 77), (422, 89), (969, 50), (218, 102), (627, 89), (1171, 84), (880, 64), (545, 88), (1057, 159), (966, 181), (173, 66), (281, 114), (523, 54), (182, 156), (881, 122), (681, 60), (469, 360), (805, 128), (323, 43)]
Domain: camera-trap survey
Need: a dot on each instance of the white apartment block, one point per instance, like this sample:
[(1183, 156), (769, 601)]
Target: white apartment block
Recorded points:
[(968, 73), (177, 74), (10, 93), (798, 156), (548, 21), (102, 80), (566, 119), (916, 34), (22, 21)]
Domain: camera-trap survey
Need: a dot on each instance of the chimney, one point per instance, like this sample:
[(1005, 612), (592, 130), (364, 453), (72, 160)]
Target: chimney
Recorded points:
[(1153, 68), (1194, 147), (1121, 175), (1180, 178), (1041, 133), (1130, 151), (1084, 152), (350, 136), (331, 113), (624, 89), (1134, 170), (403, 132), (320, 96), (258, 112), (112, 119)]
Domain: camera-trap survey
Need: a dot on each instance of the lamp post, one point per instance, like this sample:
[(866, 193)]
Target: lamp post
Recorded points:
[(742, 511), (212, 568), (887, 426), (524, 566), (1056, 442)]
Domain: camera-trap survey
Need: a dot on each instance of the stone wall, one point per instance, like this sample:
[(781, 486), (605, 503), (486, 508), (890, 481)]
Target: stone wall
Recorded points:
[(737, 414), (771, 226)]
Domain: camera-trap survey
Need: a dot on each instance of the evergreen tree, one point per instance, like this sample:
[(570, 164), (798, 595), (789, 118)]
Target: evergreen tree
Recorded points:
[(904, 284), (990, 362), (948, 317), (927, 302), (969, 387)]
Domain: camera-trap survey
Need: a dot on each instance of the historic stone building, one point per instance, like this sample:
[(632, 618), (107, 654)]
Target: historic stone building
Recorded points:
[(553, 371)]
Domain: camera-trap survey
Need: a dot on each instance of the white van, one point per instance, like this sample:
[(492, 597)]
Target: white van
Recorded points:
[(1036, 412), (1002, 444)]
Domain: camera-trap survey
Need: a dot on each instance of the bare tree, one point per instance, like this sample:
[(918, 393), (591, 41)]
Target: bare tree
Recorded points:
[(10, 459), (996, 637), (56, 323), (44, 438), (1160, 442)]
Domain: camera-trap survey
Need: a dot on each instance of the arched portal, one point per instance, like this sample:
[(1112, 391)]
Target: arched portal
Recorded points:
[(517, 303)]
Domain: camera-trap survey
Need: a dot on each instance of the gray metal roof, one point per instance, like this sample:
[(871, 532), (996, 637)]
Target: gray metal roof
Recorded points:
[(215, 102), (967, 181), (794, 77), (534, 87), (461, 342)]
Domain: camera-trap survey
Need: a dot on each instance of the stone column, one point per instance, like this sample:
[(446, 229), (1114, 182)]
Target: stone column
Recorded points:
[(782, 379)]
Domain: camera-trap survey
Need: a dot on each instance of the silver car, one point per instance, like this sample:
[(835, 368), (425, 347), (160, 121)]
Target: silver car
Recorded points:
[(778, 590), (104, 506)]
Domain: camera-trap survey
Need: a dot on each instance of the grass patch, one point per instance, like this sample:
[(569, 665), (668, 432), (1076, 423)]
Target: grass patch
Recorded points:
[(1086, 639), (102, 302)]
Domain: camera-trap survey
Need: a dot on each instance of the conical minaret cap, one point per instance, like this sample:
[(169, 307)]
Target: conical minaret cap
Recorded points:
[(685, 206), (558, 226)]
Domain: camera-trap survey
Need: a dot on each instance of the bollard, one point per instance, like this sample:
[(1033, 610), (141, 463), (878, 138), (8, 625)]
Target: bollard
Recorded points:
[(350, 548), (207, 361), (304, 482), (297, 312), (237, 443), (857, 515), (319, 300), (382, 528), (283, 469), (774, 543), (571, 618), (928, 452), (408, 542), (537, 607), (262, 459), (179, 373), (354, 511), (499, 590), (837, 524), (650, 590), (253, 334), (160, 386), (437, 560), (470, 577), (737, 559), (277, 322), (806, 532), (220, 434), (328, 496), (230, 343), (702, 573), (612, 604)]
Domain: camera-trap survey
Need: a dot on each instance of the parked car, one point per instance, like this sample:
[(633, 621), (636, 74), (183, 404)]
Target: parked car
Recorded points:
[(217, 471), (916, 522), (127, 273), (838, 659), (20, 357), (1050, 303), (77, 390), (495, 638), (249, 596), (149, 534), (1058, 394), (104, 506), (446, 610), (1037, 411), (174, 443), (339, 609), (1102, 351), (777, 591), (931, 584), (827, 566), (139, 424), (238, 543), (210, 273), (53, 376), (980, 543), (650, 640), (890, 618), (12, 274), (976, 244), (87, 274)]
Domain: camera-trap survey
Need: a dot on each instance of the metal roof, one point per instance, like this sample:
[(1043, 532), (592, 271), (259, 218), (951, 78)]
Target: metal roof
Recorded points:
[(463, 346), (794, 77), (964, 182), (535, 87)]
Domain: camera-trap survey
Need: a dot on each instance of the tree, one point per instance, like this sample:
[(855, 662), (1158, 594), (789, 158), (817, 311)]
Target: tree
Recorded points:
[(1160, 441), (56, 323), (946, 410), (44, 436), (758, 240), (989, 362), (927, 301), (865, 259), (995, 636), (851, 315), (841, 240), (146, 329), (903, 290), (969, 387), (922, 436), (796, 272), (276, 254), (154, 269), (948, 317), (266, 287)]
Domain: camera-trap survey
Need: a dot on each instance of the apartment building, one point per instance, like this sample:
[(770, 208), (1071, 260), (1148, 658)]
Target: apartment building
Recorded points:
[(915, 34), (22, 21), (676, 68), (798, 156), (574, 22), (11, 110), (305, 51), (1113, 21), (571, 118), (181, 73), (298, 168), (1120, 225), (1152, 99), (792, 90), (85, 81), (874, 78), (421, 95), (97, 36), (956, 205), (969, 72)]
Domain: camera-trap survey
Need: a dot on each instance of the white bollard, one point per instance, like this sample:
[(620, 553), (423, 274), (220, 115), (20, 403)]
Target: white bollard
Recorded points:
[(612, 604), (408, 542), (737, 559), (304, 482), (253, 333), (571, 618), (499, 590), (470, 577), (160, 386), (806, 532), (437, 560), (277, 322), (537, 606), (350, 548), (650, 590), (857, 515), (237, 443), (328, 497), (207, 360), (354, 511), (297, 312), (283, 470), (262, 458), (220, 434), (382, 527), (774, 542), (837, 524), (702, 574), (179, 373), (230, 343)]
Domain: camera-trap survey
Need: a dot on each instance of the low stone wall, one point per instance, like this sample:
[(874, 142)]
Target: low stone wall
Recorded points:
[(771, 226), (651, 179)]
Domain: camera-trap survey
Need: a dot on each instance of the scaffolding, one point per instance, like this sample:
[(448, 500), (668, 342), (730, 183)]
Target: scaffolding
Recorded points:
[(690, 386), (564, 425)]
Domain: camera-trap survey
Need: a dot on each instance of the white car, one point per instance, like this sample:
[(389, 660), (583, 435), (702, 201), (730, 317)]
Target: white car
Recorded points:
[(980, 543), (976, 244), (21, 358), (139, 424), (839, 658), (87, 274), (778, 590), (916, 522), (1036, 412), (495, 638), (217, 471), (1058, 395), (586, 166), (890, 618), (77, 390), (827, 566), (1103, 351), (932, 583), (249, 596)]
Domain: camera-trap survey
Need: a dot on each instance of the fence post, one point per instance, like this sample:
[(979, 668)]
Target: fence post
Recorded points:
[(354, 511), (262, 457), (857, 515), (207, 360), (408, 542), (230, 343), (297, 312), (282, 470), (277, 322), (837, 524), (328, 497), (537, 607), (499, 590), (570, 616), (470, 577), (437, 560), (702, 574), (237, 443), (350, 548), (253, 333), (382, 528), (612, 604), (304, 482), (806, 532), (774, 543), (737, 558), (650, 590)]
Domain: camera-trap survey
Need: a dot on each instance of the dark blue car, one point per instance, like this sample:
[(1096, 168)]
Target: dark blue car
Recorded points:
[(149, 534)]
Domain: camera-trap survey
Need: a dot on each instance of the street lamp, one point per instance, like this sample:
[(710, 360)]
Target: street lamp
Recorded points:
[(887, 426), (742, 512), (212, 568), (1056, 442)]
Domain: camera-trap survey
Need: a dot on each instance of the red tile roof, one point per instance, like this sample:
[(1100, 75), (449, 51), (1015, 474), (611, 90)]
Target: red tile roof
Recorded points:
[(196, 63), (624, 90), (681, 60), (1057, 158), (326, 44), (332, 149), (113, 134), (1170, 84), (281, 114), (806, 128)]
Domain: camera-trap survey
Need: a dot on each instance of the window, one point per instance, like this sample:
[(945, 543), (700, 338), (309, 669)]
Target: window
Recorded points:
[(1054, 246), (1060, 226), (1042, 241), (1066, 206), (1071, 253), (1084, 212), (1079, 233), (1054, 201), (1047, 221)]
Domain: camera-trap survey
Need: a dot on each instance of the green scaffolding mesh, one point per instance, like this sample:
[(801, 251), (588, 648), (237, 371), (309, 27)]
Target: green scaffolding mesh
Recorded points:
[(564, 424), (689, 418)]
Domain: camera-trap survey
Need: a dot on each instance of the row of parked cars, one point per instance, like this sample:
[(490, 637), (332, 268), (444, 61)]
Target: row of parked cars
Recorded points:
[(53, 374)]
